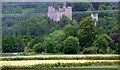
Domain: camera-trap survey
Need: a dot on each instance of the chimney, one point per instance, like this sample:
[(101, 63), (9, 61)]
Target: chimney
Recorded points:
[(64, 6)]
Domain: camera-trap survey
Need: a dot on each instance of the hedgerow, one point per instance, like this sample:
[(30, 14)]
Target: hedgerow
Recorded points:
[(64, 58)]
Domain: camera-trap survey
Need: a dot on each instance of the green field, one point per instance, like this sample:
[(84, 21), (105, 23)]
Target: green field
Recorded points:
[(28, 10)]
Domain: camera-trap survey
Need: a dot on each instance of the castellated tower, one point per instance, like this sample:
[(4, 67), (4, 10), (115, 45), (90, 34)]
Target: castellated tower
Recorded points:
[(95, 16), (55, 15)]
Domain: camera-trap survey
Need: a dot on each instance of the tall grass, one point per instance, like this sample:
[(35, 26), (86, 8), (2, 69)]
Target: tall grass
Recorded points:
[(61, 65)]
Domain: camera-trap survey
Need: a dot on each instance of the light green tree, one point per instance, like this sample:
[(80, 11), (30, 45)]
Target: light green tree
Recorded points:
[(57, 35), (65, 20)]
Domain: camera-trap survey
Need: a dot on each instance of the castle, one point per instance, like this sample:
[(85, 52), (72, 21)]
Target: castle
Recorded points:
[(95, 16), (55, 15)]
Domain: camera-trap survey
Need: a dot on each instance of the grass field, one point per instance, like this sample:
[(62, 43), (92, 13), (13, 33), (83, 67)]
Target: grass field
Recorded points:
[(29, 10), (33, 62)]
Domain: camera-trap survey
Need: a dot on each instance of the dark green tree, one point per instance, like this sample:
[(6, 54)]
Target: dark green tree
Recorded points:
[(70, 30), (11, 44), (38, 48), (87, 32), (34, 41), (51, 46), (46, 26), (102, 44), (25, 39), (71, 45)]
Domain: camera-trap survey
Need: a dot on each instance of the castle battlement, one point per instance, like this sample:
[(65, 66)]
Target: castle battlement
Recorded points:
[(57, 14)]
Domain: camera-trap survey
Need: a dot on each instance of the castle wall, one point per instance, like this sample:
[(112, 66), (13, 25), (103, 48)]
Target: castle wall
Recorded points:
[(57, 14)]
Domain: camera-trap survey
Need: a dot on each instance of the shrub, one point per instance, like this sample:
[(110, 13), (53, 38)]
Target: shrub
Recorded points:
[(71, 45), (51, 45), (102, 44), (90, 50), (30, 50), (34, 41), (113, 52), (38, 48)]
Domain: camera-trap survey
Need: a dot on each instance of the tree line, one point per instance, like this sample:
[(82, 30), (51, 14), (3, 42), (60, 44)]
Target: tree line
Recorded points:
[(41, 34), (45, 35)]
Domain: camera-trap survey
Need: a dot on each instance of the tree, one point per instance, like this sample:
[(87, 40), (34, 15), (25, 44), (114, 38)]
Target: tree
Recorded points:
[(51, 46), (38, 48), (70, 30), (11, 44), (24, 38), (102, 44), (102, 7), (34, 41), (80, 6), (87, 32), (65, 20), (71, 45), (115, 37), (96, 5), (46, 26), (78, 17), (108, 24), (109, 40), (43, 17), (115, 29), (90, 7), (30, 27), (109, 8), (101, 23), (57, 35)]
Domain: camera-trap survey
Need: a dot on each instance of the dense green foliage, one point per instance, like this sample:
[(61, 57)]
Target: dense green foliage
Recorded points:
[(38, 48), (51, 46), (71, 45), (65, 20), (11, 44), (102, 44), (80, 35), (87, 32), (70, 30), (34, 41)]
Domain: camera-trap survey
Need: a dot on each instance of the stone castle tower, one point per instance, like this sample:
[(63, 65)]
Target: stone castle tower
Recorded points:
[(55, 15), (95, 16)]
